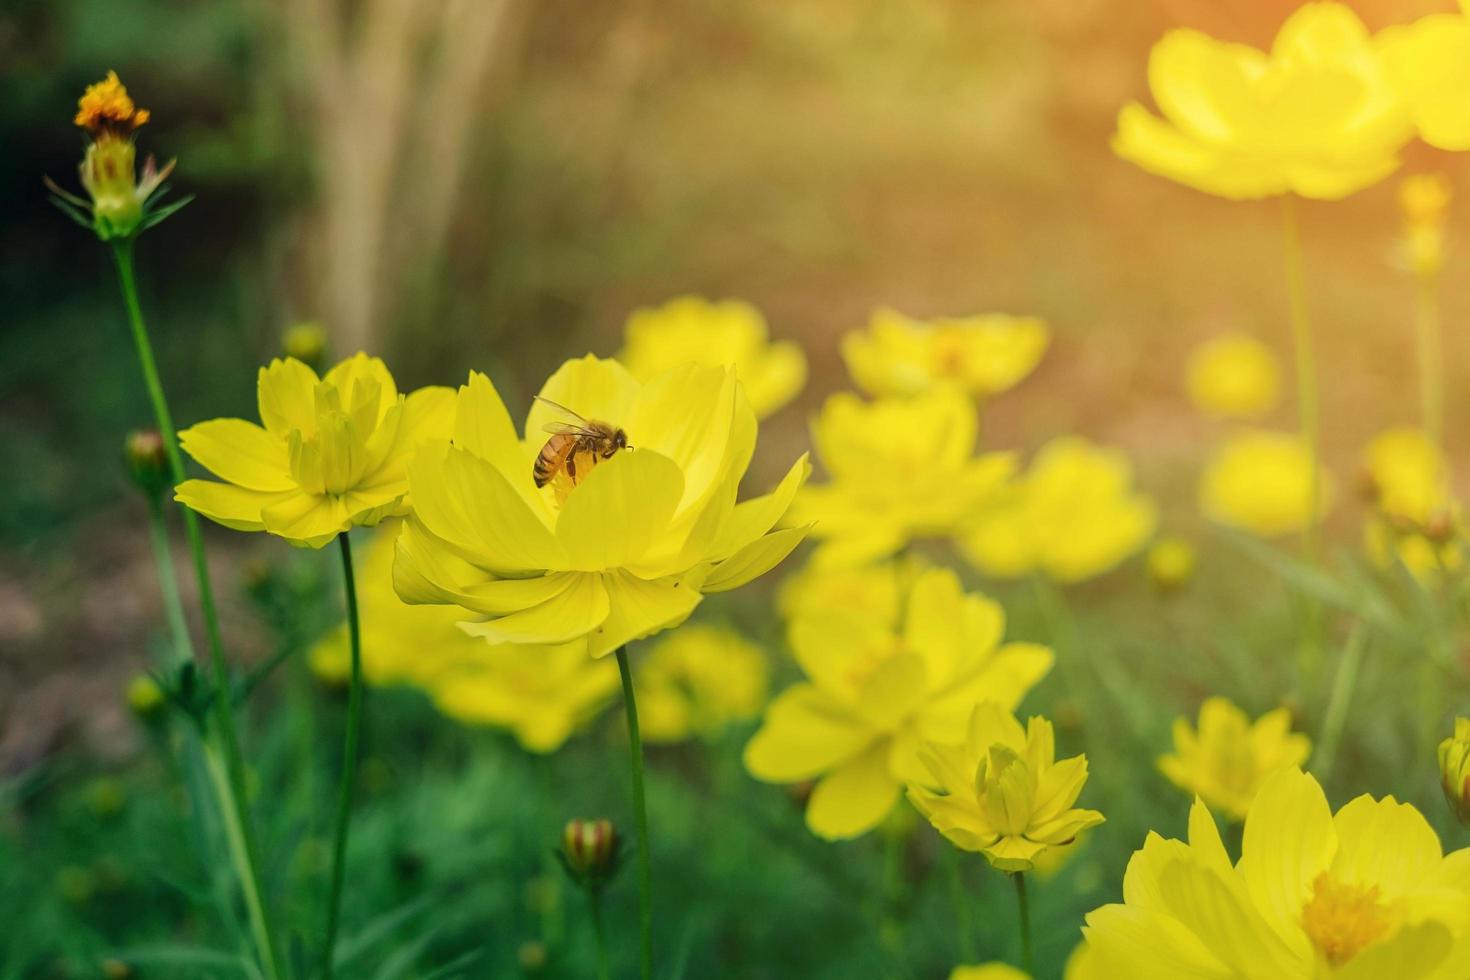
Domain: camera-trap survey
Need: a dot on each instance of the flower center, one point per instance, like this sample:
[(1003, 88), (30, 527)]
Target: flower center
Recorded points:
[(1341, 920)]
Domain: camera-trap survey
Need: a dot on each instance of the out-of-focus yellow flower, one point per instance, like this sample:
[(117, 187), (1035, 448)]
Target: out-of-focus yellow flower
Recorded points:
[(541, 694), (901, 469), (1454, 770), (983, 355), (307, 342), (119, 204), (1425, 201), (872, 590), (699, 679), (1429, 61), (626, 548), (1002, 791), (1261, 482), (694, 329), (1234, 376), (1171, 563), (1079, 967), (333, 453), (1367, 893), (1073, 515), (1226, 761), (876, 689), (1408, 477), (1416, 519), (1316, 116)]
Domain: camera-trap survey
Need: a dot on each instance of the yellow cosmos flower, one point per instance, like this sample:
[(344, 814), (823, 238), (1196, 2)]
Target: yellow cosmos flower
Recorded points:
[(1429, 60), (1260, 482), (333, 452), (1366, 894), (641, 535), (1002, 791), (877, 688), (1234, 376), (1225, 762), (901, 469), (697, 680), (1454, 770), (1316, 116), (983, 355), (1072, 516), (541, 694), (694, 329)]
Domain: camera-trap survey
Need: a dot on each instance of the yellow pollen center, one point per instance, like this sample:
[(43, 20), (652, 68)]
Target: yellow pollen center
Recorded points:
[(107, 107), (1342, 920)]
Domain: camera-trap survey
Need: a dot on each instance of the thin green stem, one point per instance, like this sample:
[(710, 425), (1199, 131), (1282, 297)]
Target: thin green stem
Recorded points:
[(1431, 358), (349, 762), (1024, 908), (594, 901), (959, 897), (1343, 686), (233, 794), (168, 584), (237, 841), (1307, 417), (640, 815)]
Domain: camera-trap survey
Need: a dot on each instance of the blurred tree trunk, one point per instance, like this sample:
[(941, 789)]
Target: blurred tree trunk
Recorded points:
[(394, 90)]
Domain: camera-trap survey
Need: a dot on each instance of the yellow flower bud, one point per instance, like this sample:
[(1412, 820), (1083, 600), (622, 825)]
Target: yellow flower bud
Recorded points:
[(145, 697), (589, 848), (1171, 563), (307, 342), (147, 460), (1425, 200), (1454, 770)]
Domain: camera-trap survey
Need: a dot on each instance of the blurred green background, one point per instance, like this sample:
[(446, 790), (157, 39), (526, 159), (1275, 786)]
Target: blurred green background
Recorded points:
[(496, 184)]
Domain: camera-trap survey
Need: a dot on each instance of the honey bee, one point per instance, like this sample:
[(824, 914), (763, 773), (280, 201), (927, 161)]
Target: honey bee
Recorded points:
[(575, 447)]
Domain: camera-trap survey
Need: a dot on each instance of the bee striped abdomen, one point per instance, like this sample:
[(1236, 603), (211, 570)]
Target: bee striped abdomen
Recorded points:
[(553, 456)]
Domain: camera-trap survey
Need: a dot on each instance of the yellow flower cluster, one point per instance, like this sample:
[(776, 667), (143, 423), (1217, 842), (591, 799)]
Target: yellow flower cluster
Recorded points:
[(1425, 202), (541, 694), (106, 107), (1415, 519), (1073, 515), (1365, 893), (1225, 761), (878, 688)]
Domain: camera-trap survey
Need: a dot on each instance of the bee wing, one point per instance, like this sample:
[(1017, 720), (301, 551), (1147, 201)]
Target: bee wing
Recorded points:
[(581, 422)]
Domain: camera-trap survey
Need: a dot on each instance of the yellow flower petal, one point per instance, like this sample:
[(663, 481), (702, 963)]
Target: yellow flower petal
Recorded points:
[(618, 510), (501, 532), (853, 798), (307, 520), (224, 503), (1288, 841), (640, 607), (594, 388), (755, 559), (239, 452), (1429, 60), (577, 608), (1384, 843), (804, 734), (286, 391)]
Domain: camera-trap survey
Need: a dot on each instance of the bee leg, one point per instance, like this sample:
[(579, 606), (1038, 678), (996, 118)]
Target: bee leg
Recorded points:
[(572, 466)]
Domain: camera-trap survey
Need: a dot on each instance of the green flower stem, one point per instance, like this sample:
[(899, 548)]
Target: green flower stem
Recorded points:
[(1307, 417), (960, 899), (1343, 686), (168, 584), (640, 814), (232, 790), (1429, 338), (1024, 907), (594, 900), (349, 761), (238, 842)]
